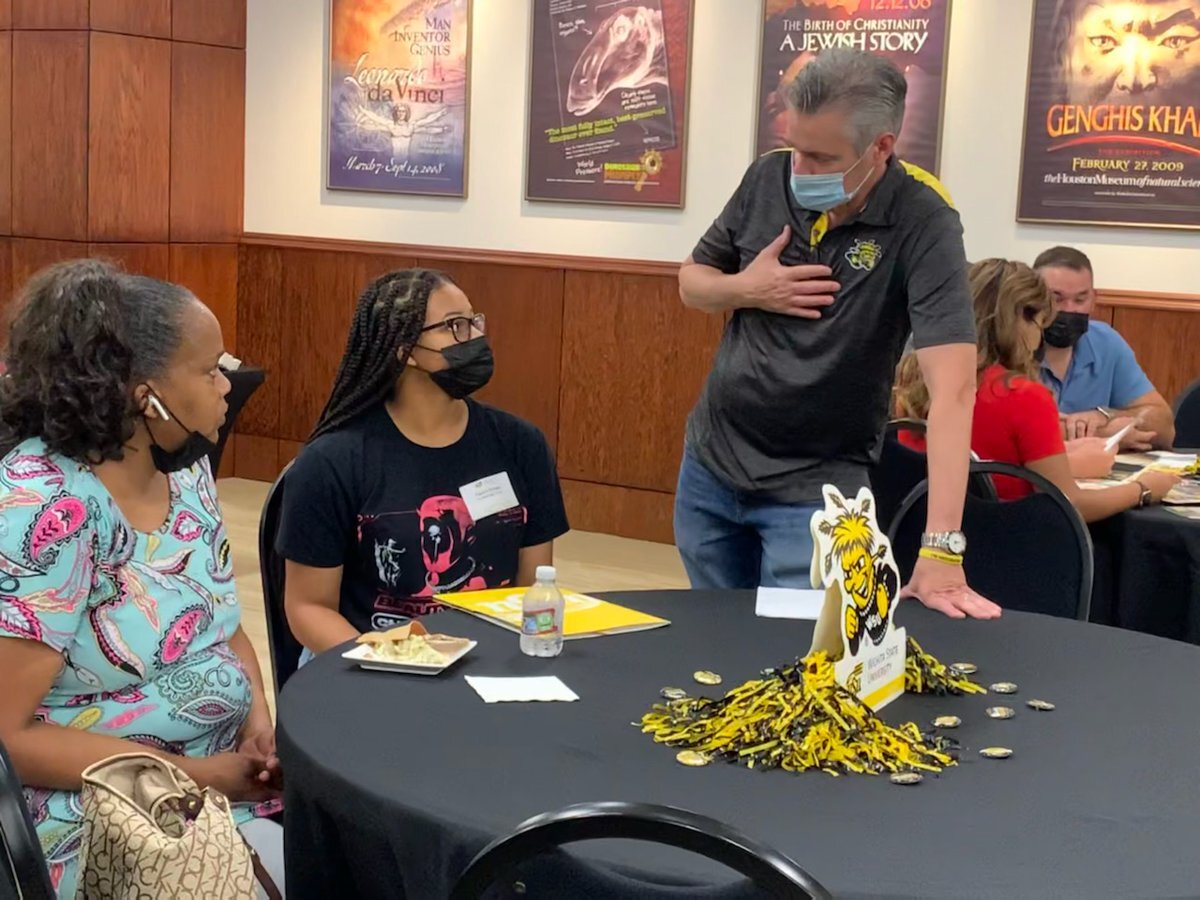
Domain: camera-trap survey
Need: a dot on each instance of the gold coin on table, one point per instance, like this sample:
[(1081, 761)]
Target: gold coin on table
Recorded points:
[(964, 668), (1003, 687), (995, 752), (907, 778), (706, 677), (693, 758), (1000, 712), (1040, 705), (947, 722), (673, 693)]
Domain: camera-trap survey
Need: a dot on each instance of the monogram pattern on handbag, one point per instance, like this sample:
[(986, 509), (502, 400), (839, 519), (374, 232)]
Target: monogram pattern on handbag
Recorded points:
[(149, 832)]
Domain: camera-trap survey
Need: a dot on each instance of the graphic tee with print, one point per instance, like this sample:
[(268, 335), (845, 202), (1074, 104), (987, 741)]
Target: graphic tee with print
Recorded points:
[(392, 514)]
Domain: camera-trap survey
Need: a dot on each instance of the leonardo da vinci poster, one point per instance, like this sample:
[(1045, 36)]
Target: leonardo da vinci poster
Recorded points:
[(398, 96), (913, 34), (1112, 128), (607, 101)]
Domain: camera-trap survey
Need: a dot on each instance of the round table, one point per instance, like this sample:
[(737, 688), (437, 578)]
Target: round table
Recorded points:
[(1148, 573), (394, 782)]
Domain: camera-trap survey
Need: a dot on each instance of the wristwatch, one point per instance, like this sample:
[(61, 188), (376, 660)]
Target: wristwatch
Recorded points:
[(948, 541), (1146, 498)]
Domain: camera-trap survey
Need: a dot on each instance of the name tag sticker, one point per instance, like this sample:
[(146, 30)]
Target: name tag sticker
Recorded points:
[(489, 496)]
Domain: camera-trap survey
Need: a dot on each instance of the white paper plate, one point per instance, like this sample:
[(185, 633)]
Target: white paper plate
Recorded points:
[(360, 654)]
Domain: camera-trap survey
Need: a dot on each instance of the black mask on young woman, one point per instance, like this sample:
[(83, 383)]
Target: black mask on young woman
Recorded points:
[(1066, 329), (194, 448), (469, 367)]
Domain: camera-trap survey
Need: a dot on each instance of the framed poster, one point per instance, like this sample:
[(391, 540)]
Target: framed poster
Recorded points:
[(399, 82), (913, 34), (608, 101), (1112, 115)]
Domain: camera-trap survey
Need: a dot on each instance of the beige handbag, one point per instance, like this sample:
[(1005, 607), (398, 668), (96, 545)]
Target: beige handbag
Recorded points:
[(150, 832)]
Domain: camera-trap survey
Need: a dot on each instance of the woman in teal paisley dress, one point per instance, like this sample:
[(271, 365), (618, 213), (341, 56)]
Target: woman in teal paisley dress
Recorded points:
[(119, 623)]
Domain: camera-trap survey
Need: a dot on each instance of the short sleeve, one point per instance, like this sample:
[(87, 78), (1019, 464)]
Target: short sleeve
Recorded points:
[(718, 246), (319, 509), (547, 514), (939, 296), (49, 539), (1129, 381), (1034, 417)]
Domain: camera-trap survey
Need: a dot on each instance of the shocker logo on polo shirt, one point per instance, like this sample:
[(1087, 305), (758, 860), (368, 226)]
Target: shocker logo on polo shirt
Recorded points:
[(864, 255)]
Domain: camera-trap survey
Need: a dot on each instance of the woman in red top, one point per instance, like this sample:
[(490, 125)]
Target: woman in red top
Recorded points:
[(1016, 418)]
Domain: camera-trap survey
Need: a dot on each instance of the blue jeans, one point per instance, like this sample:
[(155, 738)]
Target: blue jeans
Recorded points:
[(730, 540)]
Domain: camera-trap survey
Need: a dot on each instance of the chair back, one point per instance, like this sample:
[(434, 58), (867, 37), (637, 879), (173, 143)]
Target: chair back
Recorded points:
[(901, 468), (1187, 417), (1033, 554), (898, 471), (767, 869), (285, 649), (242, 383), (23, 871)]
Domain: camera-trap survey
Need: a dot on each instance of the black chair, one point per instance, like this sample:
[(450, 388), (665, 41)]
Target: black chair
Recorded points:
[(242, 383), (1031, 555), (1187, 416), (767, 869), (23, 871), (900, 469), (285, 649)]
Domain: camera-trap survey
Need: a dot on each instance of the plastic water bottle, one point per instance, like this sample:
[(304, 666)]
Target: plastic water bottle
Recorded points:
[(542, 616)]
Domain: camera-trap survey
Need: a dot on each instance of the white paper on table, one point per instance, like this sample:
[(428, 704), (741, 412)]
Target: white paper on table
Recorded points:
[(788, 603), (520, 689), (1170, 458)]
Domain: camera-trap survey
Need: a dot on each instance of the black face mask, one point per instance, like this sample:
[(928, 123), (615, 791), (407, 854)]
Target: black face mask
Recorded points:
[(1066, 329), (194, 448), (470, 366)]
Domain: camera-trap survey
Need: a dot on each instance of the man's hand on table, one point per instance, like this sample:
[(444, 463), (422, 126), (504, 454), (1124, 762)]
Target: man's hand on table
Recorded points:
[(944, 588)]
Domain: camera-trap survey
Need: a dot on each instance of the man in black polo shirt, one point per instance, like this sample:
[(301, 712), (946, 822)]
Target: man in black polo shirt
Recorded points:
[(827, 255)]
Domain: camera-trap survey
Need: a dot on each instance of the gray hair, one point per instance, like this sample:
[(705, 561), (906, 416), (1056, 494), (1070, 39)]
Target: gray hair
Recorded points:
[(869, 88)]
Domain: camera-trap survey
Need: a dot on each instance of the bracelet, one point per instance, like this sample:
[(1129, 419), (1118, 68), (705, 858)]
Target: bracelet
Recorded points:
[(942, 556)]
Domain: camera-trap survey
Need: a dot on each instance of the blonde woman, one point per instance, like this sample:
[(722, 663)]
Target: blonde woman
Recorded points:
[(1016, 419)]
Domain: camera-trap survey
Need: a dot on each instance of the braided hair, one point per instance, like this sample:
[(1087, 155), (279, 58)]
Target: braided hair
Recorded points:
[(84, 334), (387, 325)]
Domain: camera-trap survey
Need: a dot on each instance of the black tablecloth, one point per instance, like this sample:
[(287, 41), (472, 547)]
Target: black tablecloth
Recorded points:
[(1148, 573), (395, 782)]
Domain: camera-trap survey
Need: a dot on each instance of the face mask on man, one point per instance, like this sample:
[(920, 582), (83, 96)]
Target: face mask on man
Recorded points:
[(194, 448), (1066, 329), (821, 193), (469, 367)]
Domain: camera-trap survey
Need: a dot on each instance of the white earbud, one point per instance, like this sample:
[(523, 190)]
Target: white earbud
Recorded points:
[(158, 408)]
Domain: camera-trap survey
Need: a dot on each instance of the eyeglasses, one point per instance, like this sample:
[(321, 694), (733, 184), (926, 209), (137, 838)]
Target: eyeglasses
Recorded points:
[(461, 327)]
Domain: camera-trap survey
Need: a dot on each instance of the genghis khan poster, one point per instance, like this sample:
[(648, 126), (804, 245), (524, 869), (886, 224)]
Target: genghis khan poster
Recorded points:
[(1112, 129)]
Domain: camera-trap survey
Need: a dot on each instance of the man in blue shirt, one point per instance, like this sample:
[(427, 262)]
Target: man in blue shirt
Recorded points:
[(1090, 369)]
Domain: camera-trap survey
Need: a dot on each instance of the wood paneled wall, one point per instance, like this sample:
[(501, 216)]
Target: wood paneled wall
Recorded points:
[(599, 354), (121, 135)]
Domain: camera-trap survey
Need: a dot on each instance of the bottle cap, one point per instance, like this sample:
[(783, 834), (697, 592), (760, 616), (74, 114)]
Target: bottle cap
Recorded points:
[(546, 573)]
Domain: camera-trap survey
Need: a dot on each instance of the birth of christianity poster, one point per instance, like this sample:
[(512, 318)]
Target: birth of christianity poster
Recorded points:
[(913, 34)]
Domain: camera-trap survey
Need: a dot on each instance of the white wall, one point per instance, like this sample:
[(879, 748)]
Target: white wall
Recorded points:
[(989, 49)]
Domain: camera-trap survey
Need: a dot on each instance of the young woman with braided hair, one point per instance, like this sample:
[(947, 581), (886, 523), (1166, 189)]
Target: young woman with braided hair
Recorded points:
[(407, 488)]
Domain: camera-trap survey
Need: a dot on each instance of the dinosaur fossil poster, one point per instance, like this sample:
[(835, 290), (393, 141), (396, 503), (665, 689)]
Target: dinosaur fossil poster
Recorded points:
[(607, 98), (399, 75), (1112, 119), (911, 33)]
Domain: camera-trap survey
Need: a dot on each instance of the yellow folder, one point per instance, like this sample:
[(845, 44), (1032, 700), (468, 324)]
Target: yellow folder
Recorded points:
[(584, 616)]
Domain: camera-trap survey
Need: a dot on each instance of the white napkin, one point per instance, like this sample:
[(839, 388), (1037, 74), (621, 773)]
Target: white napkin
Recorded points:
[(788, 603), (520, 690)]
